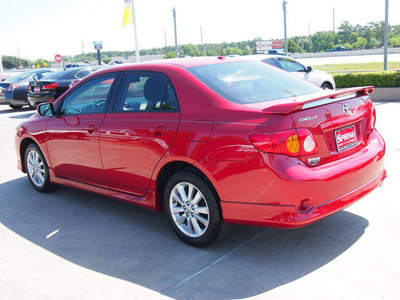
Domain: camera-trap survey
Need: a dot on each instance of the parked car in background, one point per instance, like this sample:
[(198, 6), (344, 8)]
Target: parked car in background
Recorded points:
[(77, 65), (51, 87), (339, 48), (320, 78), (277, 51), (209, 140), (14, 91)]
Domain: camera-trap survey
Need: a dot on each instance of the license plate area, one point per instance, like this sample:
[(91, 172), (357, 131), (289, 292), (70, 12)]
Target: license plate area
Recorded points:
[(346, 138), (36, 89)]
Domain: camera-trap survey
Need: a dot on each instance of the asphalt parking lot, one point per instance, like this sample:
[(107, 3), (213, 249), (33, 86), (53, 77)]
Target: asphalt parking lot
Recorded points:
[(72, 244)]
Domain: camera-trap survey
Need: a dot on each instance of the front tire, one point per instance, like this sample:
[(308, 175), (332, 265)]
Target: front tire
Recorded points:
[(192, 210), (37, 169)]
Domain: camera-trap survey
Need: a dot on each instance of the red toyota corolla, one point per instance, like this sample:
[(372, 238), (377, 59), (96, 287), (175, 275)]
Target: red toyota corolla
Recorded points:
[(211, 141)]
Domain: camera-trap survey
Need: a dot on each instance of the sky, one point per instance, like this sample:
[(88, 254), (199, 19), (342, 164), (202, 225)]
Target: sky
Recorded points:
[(35, 29)]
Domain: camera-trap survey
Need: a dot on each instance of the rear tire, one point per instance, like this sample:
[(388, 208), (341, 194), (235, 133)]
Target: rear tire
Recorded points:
[(327, 85), (37, 169), (15, 106), (192, 210)]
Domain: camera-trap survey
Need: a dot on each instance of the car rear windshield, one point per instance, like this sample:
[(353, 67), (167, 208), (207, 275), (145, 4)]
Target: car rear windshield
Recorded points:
[(20, 77), (252, 81), (63, 74)]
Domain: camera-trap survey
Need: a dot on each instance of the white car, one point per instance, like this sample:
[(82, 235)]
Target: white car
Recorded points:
[(319, 78)]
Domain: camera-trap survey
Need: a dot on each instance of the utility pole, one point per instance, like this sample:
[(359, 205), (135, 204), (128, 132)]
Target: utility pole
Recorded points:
[(284, 25), (385, 51), (201, 37), (334, 33), (165, 36), (19, 57), (176, 38)]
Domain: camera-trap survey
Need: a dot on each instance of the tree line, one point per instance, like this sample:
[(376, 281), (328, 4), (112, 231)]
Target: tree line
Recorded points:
[(370, 36)]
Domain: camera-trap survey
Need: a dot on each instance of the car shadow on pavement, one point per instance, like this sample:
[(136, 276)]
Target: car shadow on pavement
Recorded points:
[(10, 110), (137, 245), (24, 116)]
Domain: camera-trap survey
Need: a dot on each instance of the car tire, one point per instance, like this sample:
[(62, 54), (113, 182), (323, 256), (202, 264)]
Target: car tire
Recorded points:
[(192, 210), (327, 85), (15, 106), (37, 169)]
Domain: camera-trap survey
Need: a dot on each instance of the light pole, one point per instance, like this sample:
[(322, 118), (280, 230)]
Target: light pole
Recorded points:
[(284, 25), (176, 37), (134, 29), (385, 51)]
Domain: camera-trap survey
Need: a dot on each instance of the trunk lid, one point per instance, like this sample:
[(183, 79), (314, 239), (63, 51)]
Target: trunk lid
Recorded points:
[(340, 125), (42, 87), (339, 121)]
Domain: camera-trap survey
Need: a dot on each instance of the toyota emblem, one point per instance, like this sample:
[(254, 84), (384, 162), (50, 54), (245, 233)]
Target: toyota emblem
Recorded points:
[(346, 108)]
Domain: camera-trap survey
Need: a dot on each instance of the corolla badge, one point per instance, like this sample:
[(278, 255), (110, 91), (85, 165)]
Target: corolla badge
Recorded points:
[(307, 118), (346, 108)]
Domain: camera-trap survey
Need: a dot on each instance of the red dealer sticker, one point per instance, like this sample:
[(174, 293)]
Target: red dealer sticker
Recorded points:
[(346, 137)]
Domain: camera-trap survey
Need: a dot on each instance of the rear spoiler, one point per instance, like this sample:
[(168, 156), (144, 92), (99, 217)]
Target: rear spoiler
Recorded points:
[(288, 106)]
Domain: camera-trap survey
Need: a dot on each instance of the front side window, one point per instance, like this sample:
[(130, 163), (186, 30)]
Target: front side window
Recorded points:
[(140, 92), (251, 81), (89, 98)]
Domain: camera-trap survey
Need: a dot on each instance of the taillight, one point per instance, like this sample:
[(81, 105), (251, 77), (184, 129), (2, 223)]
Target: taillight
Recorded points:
[(14, 86), (289, 142), (51, 86), (371, 125)]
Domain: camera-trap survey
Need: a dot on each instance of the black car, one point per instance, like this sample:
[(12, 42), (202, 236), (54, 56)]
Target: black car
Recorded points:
[(14, 91), (54, 85)]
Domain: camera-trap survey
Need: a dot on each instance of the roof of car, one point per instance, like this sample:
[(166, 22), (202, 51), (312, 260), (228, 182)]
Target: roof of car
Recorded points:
[(265, 56), (186, 62)]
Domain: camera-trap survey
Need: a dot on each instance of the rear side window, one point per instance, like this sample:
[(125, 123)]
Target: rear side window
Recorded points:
[(141, 92), (271, 61), (291, 66), (252, 81)]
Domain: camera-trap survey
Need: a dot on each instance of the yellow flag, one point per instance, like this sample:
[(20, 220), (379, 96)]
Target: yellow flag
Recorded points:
[(128, 19)]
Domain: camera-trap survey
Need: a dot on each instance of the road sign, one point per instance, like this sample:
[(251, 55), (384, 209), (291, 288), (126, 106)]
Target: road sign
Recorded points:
[(58, 58), (98, 45), (269, 45)]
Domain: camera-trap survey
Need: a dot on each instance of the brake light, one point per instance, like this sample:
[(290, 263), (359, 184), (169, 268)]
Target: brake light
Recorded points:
[(51, 86), (14, 86), (289, 142), (371, 125)]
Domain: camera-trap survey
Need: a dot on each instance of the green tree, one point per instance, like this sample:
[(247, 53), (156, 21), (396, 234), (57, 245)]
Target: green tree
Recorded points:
[(361, 43), (344, 32), (42, 62), (373, 43), (170, 54), (10, 62), (322, 41), (394, 41)]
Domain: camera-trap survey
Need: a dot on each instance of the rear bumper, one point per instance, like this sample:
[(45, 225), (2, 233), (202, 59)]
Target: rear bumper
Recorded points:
[(298, 195), (289, 216)]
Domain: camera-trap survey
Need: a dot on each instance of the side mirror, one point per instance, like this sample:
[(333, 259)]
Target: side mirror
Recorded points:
[(309, 69), (46, 109)]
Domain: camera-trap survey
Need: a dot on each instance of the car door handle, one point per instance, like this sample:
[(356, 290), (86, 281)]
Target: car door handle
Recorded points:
[(159, 129), (91, 128)]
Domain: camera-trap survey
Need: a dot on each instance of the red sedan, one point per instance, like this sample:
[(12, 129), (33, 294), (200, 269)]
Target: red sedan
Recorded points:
[(211, 141)]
